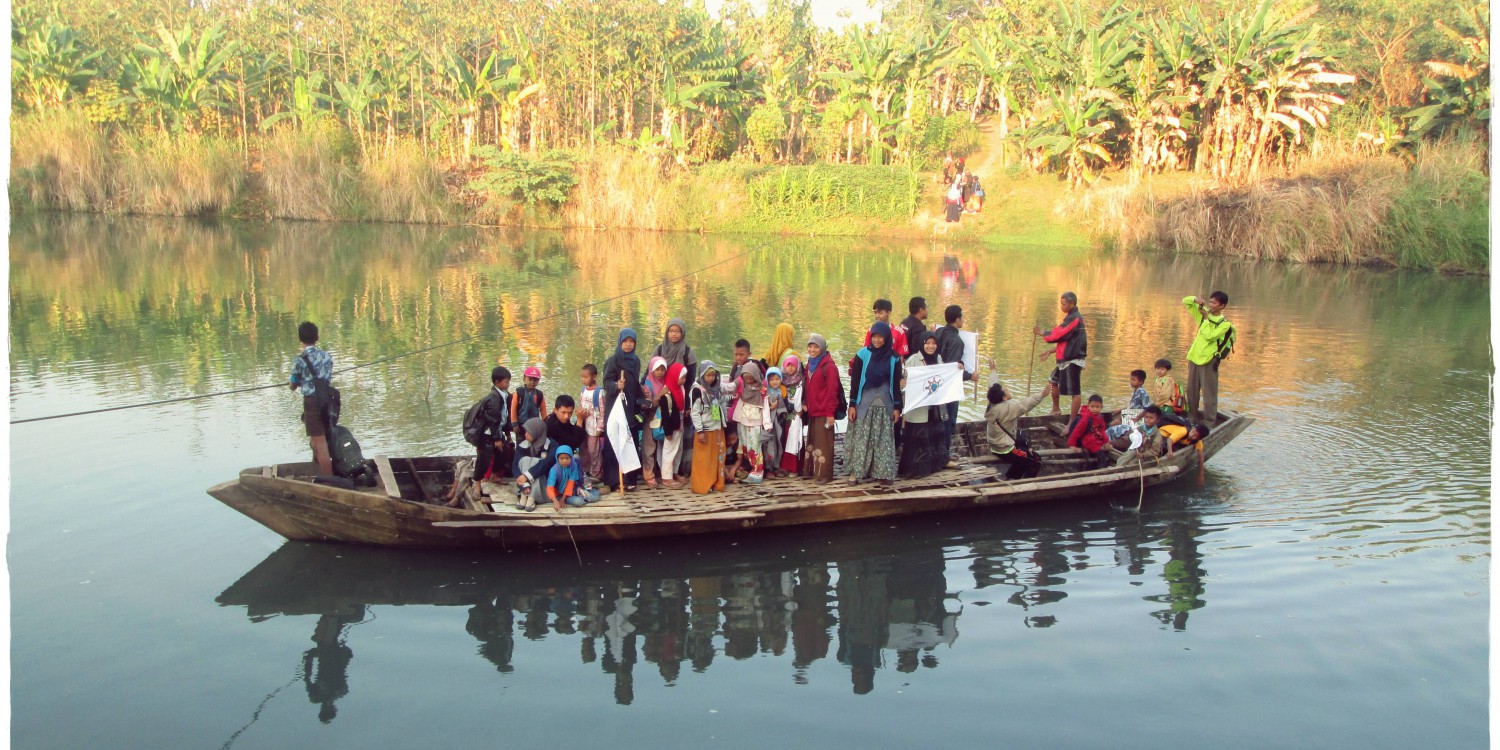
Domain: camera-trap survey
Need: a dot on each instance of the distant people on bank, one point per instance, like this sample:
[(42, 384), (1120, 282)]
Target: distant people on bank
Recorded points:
[(1213, 342), (1070, 352), (953, 203), (1002, 428), (312, 371)]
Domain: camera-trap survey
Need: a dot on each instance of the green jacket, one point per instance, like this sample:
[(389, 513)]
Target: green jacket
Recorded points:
[(1211, 332)]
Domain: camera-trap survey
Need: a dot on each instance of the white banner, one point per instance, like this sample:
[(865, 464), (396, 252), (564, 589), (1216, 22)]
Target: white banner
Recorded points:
[(971, 351), (620, 440), (794, 430), (932, 385)]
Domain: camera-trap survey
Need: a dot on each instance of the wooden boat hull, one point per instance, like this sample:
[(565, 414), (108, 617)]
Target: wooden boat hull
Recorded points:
[(300, 510)]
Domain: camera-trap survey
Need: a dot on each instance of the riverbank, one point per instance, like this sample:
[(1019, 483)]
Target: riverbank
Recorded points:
[(1427, 211)]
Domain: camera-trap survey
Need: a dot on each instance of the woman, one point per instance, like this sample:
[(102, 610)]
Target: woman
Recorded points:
[(822, 391), (791, 429), (654, 387), (874, 407), (535, 464), (922, 438), (706, 403), (675, 350), (781, 343), (673, 424), (622, 375)]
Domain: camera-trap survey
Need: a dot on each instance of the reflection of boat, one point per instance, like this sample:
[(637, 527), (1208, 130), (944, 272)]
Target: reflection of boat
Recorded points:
[(400, 511)]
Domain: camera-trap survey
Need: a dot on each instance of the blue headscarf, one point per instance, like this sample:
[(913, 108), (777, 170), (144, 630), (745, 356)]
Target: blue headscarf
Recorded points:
[(560, 475), (878, 370), (627, 360)]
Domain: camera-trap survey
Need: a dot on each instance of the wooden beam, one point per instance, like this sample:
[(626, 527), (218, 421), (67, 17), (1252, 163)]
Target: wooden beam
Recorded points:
[(388, 476)]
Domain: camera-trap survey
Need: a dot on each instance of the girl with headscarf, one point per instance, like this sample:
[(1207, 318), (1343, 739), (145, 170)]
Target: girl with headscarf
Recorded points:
[(622, 376), (655, 387), (791, 422), (753, 419), (706, 405), (922, 450), (874, 408), (781, 343), (821, 390), (673, 410), (536, 460), (675, 350), (776, 407)]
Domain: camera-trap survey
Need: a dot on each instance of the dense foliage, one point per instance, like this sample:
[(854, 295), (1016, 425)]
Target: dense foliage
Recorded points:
[(1076, 86)]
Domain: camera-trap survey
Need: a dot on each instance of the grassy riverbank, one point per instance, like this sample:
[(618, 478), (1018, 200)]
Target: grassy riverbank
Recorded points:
[(1428, 210)]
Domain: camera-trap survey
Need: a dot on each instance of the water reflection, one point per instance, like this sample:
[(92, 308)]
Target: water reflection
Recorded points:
[(800, 597)]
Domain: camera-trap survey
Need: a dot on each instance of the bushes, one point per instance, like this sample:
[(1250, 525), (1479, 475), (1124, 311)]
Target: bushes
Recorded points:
[(525, 179), (765, 128), (827, 190), (310, 173), (58, 160)]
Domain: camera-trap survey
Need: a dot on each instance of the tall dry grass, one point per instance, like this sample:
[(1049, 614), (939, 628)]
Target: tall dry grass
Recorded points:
[(1430, 211), (404, 185), (59, 160), (311, 173), (175, 175), (618, 189)]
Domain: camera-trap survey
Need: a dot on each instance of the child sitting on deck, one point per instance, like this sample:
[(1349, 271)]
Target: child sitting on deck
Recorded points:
[(1149, 446), (1165, 392), (565, 484), (1088, 431), (1139, 400)]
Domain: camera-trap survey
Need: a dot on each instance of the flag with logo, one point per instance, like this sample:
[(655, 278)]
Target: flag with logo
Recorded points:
[(618, 430), (933, 385)]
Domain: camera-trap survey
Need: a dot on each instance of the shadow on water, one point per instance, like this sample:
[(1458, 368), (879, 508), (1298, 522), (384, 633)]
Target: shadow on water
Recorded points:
[(872, 596)]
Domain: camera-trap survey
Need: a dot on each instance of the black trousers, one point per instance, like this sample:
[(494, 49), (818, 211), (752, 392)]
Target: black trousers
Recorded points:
[(1022, 466)]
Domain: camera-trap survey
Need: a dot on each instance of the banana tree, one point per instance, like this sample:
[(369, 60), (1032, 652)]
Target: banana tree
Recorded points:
[(924, 54), (1458, 91), (356, 97), (178, 75), (677, 99), (473, 84), (49, 65), (307, 102), (512, 92)]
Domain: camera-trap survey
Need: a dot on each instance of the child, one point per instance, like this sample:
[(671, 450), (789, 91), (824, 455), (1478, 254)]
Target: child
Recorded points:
[(753, 419), (1002, 428), (1165, 392), (731, 437), (776, 405), (1147, 426), (706, 404), (591, 416), (1173, 435), (1139, 400), (655, 387), (898, 334), (529, 403), (564, 485), (791, 421), (1088, 431)]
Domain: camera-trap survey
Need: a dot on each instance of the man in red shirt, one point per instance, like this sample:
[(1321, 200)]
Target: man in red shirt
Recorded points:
[(898, 334)]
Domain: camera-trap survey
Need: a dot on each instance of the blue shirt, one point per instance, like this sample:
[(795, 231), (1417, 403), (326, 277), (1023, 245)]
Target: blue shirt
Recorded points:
[(1140, 399), (322, 369)]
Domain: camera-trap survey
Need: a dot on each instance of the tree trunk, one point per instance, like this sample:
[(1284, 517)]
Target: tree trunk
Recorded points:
[(468, 137), (978, 100)]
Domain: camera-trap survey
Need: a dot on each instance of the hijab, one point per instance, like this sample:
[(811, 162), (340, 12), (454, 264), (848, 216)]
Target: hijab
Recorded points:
[(536, 435), (878, 369), (627, 361), (791, 371), (565, 474), (928, 359), (751, 394), (712, 391), (678, 353), (657, 384), (676, 373), (775, 394), (812, 364), (781, 341)]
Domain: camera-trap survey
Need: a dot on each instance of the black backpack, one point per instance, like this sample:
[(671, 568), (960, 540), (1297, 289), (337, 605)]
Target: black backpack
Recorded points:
[(324, 394), (474, 427), (348, 461)]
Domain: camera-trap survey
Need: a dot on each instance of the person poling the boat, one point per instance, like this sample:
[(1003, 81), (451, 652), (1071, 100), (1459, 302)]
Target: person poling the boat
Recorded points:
[(821, 404), (874, 393), (537, 455), (1213, 342), (622, 375), (312, 367), (1070, 353), (1002, 428), (706, 404)]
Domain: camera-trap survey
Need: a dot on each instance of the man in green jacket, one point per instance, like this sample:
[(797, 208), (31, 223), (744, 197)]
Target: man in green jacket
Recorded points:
[(1213, 343)]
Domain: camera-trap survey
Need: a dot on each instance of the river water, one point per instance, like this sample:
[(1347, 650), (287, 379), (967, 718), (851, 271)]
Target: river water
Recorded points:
[(1327, 584)]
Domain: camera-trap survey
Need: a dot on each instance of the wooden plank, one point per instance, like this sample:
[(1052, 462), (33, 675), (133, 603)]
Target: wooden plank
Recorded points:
[(426, 496), (549, 521), (388, 476)]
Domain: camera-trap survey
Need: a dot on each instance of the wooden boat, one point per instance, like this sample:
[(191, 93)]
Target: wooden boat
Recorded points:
[(405, 510)]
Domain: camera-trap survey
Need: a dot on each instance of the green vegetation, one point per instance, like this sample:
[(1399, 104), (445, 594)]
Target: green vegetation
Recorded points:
[(664, 116)]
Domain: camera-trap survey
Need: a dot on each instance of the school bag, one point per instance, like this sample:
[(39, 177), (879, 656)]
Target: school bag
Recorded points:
[(348, 461), (1226, 344), (474, 427), (324, 394)]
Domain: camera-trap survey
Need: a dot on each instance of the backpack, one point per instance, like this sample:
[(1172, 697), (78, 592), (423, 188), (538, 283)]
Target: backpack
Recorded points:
[(348, 461), (1226, 344), (474, 427), (324, 394)]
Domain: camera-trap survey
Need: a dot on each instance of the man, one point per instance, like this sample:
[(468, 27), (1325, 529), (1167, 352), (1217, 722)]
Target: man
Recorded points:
[(560, 425), (883, 309), (311, 365), (1214, 342), (951, 349), (1072, 346), (914, 325)]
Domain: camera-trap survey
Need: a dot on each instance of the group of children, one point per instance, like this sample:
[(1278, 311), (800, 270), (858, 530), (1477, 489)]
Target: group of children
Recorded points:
[(1153, 413)]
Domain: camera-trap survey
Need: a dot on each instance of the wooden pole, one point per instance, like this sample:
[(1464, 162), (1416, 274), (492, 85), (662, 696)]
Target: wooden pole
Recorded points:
[(1031, 369)]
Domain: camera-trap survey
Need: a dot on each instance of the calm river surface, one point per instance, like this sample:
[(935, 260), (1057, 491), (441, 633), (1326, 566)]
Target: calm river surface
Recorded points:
[(1327, 586)]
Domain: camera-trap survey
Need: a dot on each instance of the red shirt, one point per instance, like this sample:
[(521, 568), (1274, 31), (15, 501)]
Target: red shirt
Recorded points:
[(898, 340), (1088, 433), (823, 389)]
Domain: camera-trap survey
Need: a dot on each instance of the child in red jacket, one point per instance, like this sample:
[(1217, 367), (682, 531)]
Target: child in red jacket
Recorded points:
[(1089, 431)]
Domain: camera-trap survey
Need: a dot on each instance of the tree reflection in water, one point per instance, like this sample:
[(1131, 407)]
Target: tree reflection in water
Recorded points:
[(792, 594)]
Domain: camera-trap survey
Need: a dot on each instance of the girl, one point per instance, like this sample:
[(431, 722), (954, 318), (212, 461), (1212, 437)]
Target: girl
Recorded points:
[(655, 389), (536, 459), (706, 403), (777, 409), (674, 411), (874, 408), (922, 438), (753, 419), (565, 482), (791, 427), (822, 391), (674, 349), (622, 375), (781, 343)]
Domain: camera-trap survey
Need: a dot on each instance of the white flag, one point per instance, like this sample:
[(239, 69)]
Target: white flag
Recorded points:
[(794, 430), (971, 351), (932, 385), (620, 439)]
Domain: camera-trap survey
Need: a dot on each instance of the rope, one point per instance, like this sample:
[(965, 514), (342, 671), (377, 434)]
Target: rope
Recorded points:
[(423, 350)]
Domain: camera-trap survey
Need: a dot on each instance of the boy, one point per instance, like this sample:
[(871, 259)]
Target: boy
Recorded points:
[(915, 324), (732, 460), (1214, 342), (1173, 435), (528, 402), (493, 451), (951, 349), (898, 335), (564, 484), (313, 364), (1148, 425), (591, 416), (1139, 400), (1088, 431), (1070, 353), (1165, 393)]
